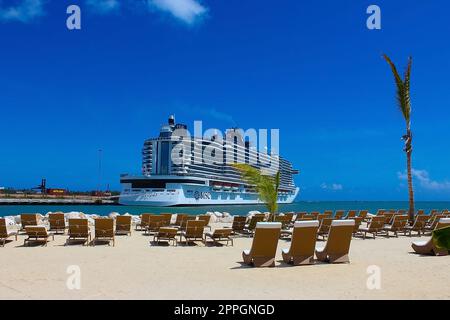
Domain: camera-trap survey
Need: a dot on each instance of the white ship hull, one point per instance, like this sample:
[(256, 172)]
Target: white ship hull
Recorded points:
[(192, 195)]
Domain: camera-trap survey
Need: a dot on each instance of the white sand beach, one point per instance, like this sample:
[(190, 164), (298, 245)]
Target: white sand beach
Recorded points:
[(134, 269)]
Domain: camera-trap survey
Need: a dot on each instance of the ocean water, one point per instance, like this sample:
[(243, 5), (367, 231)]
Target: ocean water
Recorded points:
[(372, 206)]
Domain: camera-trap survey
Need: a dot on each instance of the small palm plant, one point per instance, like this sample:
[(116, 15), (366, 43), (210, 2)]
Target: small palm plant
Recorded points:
[(404, 102), (267, 186)]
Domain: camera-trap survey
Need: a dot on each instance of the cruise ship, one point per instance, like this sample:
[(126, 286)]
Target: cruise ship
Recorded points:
[(189, 179)]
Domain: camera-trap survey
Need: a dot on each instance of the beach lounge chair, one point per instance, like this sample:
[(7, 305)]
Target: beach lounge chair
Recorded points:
[(37, 234), (57, 222), (104, 231), (429, 247), (339, 214), (290, 216), (154, 223), (250, 227), (315, 215), (184, 221), (363, 214), (179, 218), (144, 221), (264, 245), (5, 233), (79, 230), (167, 234), (388, 216), (28, 219), (194, 231), (123, 225), (284, 221), (434, 223), (320, 217), (220, 235), (303, 243), (300, 216), (398, 224), (375, 226), (358, 221), (238, 224), (324, 228), (350, 215), (165, 219), (338, 244), (418, 226), (206, 218), (328, 213)]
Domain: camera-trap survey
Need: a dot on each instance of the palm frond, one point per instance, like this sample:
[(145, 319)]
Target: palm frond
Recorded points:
[(403, 96), (266, 186)]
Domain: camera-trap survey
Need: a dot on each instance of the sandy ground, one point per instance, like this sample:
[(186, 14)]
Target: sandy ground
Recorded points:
[(134, 269)]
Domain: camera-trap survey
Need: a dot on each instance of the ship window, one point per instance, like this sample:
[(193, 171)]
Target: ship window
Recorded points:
[(164, 164)]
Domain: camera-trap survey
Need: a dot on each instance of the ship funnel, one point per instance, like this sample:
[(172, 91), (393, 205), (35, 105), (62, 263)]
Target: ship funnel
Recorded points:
[(172, 120)]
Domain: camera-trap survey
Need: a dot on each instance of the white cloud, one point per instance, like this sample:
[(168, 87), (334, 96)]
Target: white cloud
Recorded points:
[(24, 11), (423, 177), (188, 11), (333, 186), (103, 6)]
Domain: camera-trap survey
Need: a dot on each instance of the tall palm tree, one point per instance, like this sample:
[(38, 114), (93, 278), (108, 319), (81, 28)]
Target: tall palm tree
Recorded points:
[(404, 102), (267, 186)]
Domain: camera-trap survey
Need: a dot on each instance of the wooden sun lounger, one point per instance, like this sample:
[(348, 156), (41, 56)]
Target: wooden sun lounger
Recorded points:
[(300, 216), (165, 219), (104, 231), (206, 218), (123, 225), (324, 228), (338, 244), (220, 235), (350, 215), (28, 219), (166, 234), (339, 214), (358, 221), (79, 230), (5, 233), (144, 221), (284, 220), (428, 247), (57, 222), (179, 219), (154, 222), (433, 224), (398, 224), (375, 226), (264, 245), (37, 234), (418, 226), (194, 231), (303, 243), (238, 224), (250, 227)]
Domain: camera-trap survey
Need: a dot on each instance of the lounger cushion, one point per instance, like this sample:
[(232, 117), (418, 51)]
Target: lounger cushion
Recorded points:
[(305, 224), (268, 225), (444, 220), (349, 222)]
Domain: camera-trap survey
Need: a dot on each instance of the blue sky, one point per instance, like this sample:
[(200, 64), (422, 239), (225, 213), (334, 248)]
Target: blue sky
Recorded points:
[(311, 69)]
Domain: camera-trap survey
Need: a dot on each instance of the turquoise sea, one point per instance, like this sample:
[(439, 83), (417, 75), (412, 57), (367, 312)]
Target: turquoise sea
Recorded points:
[(372, 206)]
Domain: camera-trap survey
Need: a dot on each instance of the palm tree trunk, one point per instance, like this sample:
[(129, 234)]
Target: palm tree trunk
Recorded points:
[(408, 150)]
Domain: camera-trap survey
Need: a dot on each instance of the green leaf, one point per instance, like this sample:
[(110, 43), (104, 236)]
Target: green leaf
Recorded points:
[(441, 238)]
